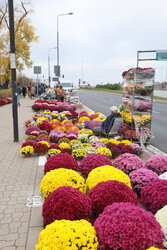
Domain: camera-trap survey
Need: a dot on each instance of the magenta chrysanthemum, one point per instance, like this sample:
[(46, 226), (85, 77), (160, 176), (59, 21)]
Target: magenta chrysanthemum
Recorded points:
[(30, 129), (66, 203), (62, 160), (126, 226), (154, 195), (141, 177), (93, 161), (128, 162), (108, 192), (157, 163)]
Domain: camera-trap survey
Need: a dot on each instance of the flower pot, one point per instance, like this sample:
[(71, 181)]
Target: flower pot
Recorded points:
[(42, 154), (27, 155)]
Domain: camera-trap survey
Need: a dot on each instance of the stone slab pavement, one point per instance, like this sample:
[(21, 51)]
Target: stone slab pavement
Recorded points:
[(19, 179)]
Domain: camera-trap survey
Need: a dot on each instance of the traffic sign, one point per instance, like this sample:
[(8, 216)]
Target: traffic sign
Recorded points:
[(37, 69), (161, 55), (57, 70)]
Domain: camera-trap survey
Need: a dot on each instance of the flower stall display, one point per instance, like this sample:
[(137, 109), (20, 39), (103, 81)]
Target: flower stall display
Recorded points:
[(5, 101), (42, 147), (61, 160), (93, 139), (141, 177), (128, 162), (27, 151), (79, 153), (89, 132), (161, 217), (66, 234), (29, 143), (157, 163), (108, 192), (61, 177), (93, 161), (106, 173), (127, 226), (66, 203), (137, 100), (104, 151), (154, 195)]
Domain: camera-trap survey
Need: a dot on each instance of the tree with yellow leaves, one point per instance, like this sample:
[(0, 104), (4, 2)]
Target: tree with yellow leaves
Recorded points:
[(24, 36)]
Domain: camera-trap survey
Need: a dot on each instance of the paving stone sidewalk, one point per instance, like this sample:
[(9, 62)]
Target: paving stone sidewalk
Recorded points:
[(18, 176)]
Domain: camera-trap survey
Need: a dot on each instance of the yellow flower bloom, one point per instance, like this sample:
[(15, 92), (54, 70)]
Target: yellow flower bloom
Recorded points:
[(86, 131), (106, 173), (27, 150), (72, 142), (79, 153), (104, 151), (154, 248), (61, 177), (45, 142), (126, 142), (114, 141), (104, 140), (64, 145), (66, 234), (66, 121), (83, 118), (53, 151)]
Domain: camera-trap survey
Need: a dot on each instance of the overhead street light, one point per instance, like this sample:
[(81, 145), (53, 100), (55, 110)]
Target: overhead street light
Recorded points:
[(65, 14), (49, 64)]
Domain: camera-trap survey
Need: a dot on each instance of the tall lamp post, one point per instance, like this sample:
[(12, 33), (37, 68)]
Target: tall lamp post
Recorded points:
[(49, 64), (58, 65)]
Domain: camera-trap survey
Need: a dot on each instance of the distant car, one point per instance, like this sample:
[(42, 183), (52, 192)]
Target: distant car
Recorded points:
[(67, 86)]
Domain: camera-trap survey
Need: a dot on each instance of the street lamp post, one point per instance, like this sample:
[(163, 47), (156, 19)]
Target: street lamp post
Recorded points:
[(49, 64), (58, 65)]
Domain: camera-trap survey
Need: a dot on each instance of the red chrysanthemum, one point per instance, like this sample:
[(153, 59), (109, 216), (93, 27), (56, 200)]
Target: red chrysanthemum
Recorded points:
[(108, 192), (66, 203), (62, 160), (93, 161)]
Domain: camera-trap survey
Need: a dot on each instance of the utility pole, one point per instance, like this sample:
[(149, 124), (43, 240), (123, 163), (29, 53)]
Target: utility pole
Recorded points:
[(13, 70)]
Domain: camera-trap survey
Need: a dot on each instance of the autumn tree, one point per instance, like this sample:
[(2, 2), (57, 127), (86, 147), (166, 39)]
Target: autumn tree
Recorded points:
[(24, 36)]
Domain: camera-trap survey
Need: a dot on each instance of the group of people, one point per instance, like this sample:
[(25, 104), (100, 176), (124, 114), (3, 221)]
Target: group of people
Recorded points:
[(60, 93)]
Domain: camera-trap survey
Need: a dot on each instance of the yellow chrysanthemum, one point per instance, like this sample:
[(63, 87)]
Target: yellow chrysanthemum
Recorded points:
[(104, 151), (66, 121), (154, 248), (27, 150), (42, 118), (83, 118), (45, 142), (53, 151), (114, 141), (106, 173), (64, 145), (66, 234), (79, 153), (89, 132), (61, 177), (104, 140), (72, 142), (126, 142)]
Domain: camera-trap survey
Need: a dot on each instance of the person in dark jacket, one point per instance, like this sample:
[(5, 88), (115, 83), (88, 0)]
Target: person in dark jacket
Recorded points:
[(18, 91), (24, 91), (108, 122)]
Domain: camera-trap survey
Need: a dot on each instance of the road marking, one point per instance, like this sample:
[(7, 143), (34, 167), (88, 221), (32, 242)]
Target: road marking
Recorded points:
[(155, 112)]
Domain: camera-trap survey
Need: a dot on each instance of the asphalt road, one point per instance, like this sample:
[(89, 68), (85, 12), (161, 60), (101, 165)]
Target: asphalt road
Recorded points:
[(102, 101)]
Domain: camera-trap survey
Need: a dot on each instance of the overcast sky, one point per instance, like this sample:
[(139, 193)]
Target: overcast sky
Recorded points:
[(102, 37)]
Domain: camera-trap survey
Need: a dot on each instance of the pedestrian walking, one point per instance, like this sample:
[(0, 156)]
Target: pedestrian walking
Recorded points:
[(32, 92), (24, 91), (62, 94), (18, 91), (58, 92)]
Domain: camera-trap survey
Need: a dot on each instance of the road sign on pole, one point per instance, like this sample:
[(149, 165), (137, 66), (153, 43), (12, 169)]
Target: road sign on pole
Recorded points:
[(161, 55), (37, 70), (57, 70)]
